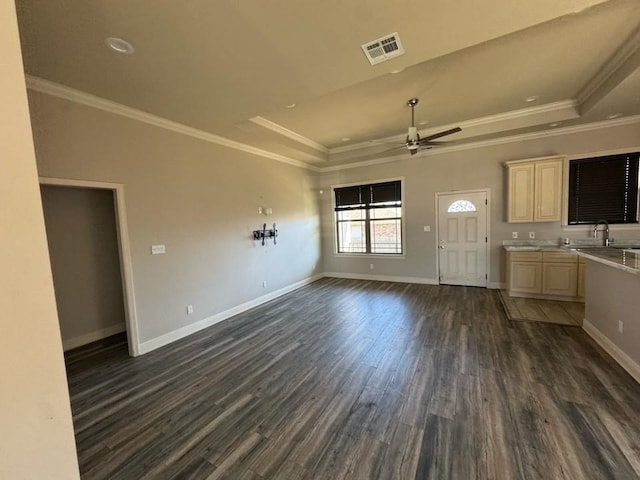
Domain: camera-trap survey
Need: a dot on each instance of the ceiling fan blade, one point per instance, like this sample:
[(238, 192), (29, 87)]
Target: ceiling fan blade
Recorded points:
[(440, 134), (434, 144)]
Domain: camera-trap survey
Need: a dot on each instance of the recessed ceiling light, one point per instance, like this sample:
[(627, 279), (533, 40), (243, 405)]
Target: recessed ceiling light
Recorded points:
[(423, 122), (345, 139), (615, 115), (398, 70), (531, 99), (291, 105), (119, 45), (555, 124)]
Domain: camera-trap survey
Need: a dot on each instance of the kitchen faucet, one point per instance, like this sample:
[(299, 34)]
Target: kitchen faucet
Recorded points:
[(605, 232)]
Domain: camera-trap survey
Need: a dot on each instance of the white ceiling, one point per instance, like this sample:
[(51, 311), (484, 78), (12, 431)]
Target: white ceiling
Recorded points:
[(229, 68)]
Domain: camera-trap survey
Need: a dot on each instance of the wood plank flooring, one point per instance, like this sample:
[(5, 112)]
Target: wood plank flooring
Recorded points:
[(347, 379)]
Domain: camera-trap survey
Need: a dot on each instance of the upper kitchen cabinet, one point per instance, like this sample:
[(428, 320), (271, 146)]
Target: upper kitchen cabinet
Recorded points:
[(535, 190)]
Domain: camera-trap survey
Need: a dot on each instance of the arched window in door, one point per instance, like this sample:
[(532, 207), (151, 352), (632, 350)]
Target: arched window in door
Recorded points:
[(460, 206)]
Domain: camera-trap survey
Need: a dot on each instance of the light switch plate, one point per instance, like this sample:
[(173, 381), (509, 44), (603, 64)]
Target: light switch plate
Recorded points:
[(532, 235), (158, 249), (514, 234), (427, 228)]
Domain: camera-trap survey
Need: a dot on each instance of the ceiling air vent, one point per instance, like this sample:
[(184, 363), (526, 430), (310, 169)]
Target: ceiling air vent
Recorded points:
[(383, 49)]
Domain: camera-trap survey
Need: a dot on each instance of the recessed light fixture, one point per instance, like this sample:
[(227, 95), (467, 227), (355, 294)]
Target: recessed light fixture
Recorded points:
[(345, 139), (614, 115), (423, 122), (397, 70), (290, 106), (555, 124), (119, 45), (531, 99)]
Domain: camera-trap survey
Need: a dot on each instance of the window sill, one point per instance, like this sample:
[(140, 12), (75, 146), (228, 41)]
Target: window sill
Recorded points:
[(395, 256)]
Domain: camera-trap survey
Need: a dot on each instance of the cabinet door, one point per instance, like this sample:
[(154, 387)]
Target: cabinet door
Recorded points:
[(525, 277), (521, 193), (581, 267), (548, 191), (560, 279)]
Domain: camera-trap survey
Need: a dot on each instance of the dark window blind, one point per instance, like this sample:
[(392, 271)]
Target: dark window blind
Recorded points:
[(368, 196), (604, 188)]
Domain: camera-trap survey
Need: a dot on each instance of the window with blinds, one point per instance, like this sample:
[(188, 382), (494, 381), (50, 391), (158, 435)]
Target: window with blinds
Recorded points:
[(369, 218), (604, 188)]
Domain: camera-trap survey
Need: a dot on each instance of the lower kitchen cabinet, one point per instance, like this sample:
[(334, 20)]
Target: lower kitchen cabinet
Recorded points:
[(525, 272), (560, 279), (545, 274), (581, 269)]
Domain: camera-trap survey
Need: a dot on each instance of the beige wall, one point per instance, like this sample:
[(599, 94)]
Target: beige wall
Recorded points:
[(83, 246), (36, 439), (462, 170), (199, 199)]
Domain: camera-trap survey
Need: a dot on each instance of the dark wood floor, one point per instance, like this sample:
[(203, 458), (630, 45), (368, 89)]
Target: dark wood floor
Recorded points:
[(360, 380)]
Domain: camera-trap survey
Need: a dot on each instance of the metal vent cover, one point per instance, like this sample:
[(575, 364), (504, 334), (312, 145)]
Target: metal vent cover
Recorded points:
[(383, 49)]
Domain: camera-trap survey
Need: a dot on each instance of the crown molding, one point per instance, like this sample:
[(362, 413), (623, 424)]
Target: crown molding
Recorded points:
[(621, 64), (491, 142), (77, 96), (274, 127), (476, 122), (71, 94)]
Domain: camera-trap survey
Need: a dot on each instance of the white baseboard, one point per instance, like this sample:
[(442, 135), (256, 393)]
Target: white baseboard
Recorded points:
[(167, 338), (612, 349), (75, 342), (382, 278)]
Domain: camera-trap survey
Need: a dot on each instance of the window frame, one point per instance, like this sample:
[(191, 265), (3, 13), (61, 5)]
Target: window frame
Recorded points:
[(367, 222), (585, 227)]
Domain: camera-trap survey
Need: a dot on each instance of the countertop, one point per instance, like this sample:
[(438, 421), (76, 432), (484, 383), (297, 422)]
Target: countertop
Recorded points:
[(533, 248), (617, 257), (622, 259)]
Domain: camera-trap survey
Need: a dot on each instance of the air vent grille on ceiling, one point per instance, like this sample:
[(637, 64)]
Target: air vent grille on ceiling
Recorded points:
[(383, 49)]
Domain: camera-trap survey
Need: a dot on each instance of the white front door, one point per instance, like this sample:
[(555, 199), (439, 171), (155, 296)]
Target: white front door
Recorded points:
[(462, 238)]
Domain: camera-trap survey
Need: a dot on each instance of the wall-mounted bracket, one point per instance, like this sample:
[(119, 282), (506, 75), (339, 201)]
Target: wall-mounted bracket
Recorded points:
[(264, 234)]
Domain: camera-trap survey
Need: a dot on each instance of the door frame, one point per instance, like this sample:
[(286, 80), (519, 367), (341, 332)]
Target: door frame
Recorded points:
[(124, 250), (487, 191)]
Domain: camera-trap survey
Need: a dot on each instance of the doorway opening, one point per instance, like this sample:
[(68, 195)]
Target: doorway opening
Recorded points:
[(90, 260), (463, 237)]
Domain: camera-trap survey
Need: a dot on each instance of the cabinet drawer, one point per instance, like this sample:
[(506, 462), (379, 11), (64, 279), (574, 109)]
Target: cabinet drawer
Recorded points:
[(526, 256), (559, 257)]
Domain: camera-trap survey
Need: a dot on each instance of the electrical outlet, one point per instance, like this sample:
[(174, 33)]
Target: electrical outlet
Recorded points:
[(158, 249), (189, 309), (532, 235), (264, 284), (371, 266), (427, 228), (620, 326), (514, 234)]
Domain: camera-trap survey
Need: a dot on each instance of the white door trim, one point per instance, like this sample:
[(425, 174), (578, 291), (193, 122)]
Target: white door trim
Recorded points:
[(487, 191), (126, 266)]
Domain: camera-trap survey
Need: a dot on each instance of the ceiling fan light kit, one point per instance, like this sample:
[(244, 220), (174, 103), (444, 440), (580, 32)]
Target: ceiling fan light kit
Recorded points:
[(414, 142)]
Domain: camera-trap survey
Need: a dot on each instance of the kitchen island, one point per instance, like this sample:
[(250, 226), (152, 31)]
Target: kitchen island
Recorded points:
[(612, 296)]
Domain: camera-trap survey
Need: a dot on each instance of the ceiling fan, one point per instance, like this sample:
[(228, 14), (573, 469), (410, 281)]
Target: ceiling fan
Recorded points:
[(414, 142)]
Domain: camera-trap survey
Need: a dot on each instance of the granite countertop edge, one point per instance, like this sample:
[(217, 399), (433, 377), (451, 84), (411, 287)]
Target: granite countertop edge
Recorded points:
[(613, 257)]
